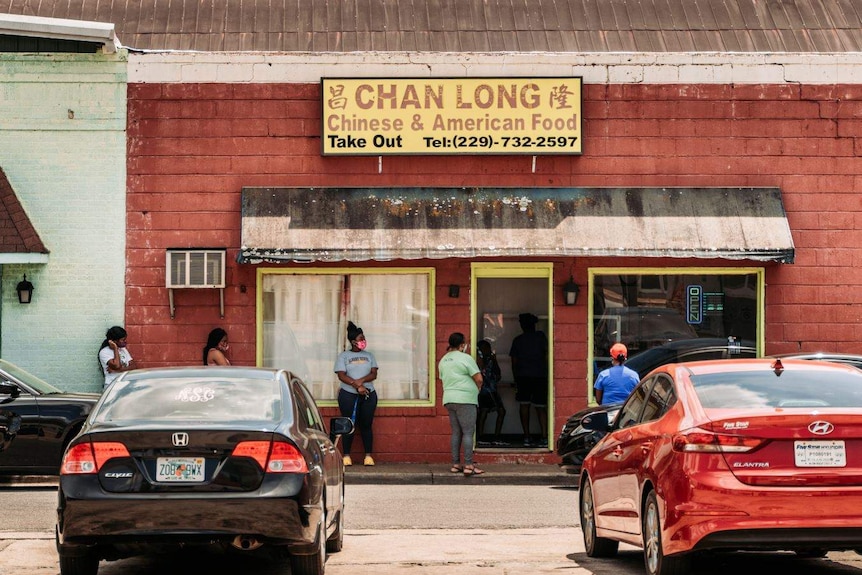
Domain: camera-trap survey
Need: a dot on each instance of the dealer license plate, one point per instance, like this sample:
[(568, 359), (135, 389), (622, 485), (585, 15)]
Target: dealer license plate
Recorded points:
[(819, 453), (180, 469)]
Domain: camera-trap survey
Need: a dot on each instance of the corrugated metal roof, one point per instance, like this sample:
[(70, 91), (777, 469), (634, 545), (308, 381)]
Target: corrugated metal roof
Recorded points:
[(358, 224), (469, 25)]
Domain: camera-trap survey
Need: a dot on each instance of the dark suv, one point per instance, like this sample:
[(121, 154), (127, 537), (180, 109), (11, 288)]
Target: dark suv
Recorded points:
[(640, 328)]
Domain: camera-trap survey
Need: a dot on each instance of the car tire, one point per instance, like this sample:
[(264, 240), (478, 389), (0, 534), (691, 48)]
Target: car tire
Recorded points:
[(813, 553), (312, 564), (336, 540), (655, 561), (78, 564), (595, 546)]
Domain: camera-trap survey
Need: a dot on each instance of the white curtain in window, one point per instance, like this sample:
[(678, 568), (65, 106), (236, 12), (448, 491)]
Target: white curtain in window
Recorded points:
[(305, 328)]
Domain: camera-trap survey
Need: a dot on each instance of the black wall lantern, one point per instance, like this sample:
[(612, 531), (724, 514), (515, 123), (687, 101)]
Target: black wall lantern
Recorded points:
[(454, 290), (25, 291), (571, 291)]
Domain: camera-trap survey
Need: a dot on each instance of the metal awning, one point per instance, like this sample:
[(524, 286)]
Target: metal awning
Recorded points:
[(360, 224)]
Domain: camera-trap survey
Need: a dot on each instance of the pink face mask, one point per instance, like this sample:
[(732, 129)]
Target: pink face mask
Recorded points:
[(361, 344)]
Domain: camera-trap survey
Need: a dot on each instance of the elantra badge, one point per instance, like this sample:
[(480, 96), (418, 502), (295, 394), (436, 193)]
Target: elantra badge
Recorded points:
[(821, 428), (180, 439)]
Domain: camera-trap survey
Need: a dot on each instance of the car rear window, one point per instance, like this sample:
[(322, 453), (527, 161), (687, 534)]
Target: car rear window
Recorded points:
[(205, 399), (787, 388)]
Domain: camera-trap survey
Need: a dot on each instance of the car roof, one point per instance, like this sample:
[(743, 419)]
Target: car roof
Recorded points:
[(764, 363), (205, 371), (821, 355)]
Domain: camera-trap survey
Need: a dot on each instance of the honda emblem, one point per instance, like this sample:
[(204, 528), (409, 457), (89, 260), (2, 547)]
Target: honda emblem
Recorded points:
[(180, 439), (821, 428)]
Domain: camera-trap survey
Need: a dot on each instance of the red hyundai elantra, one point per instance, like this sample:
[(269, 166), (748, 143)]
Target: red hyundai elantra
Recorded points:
[(742, 454)]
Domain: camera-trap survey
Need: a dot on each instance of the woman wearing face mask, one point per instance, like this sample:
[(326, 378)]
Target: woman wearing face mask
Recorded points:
[(215, 351), (114, 358), (356, 370), (462, 381)]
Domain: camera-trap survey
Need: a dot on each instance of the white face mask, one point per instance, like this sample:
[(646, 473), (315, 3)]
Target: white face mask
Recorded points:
[(464, 348)]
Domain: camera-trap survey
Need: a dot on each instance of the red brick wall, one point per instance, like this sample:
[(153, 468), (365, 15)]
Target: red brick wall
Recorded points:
[(193, 147)]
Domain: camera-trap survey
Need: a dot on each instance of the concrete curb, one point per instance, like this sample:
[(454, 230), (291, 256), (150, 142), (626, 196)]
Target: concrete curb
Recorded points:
[(438, 474)]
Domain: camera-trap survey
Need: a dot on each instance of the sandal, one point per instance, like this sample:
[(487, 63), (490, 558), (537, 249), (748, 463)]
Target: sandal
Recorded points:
[(456, 469), (470, 471)]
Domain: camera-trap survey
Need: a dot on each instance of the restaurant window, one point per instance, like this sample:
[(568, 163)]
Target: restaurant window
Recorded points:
[(696, 314), (304, 327)]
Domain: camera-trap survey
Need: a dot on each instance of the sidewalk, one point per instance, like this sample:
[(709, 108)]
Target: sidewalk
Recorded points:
[(405, 474)]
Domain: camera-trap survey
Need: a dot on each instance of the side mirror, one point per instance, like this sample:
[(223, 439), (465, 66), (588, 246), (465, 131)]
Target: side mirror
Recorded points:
[(340, 426), (596, 421), (10, 389)]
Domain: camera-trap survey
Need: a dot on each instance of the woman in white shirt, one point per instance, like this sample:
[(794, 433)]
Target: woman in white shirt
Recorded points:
[(114, 358)]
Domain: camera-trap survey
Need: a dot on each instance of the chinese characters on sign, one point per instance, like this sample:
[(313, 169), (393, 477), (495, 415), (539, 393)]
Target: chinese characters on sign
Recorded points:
[(377, 116)]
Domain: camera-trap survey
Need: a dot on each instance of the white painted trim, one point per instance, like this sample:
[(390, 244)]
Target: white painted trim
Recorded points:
[(595, 68), (60, 29), (16, 258)]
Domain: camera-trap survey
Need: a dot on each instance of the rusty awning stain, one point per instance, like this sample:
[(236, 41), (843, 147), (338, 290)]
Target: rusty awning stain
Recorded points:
[(361, 224)]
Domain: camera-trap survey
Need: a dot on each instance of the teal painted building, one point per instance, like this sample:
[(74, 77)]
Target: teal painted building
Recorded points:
[(63, 154)]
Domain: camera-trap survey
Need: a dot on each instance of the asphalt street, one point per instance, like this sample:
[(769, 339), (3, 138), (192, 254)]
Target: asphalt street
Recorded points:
[(408, 530)]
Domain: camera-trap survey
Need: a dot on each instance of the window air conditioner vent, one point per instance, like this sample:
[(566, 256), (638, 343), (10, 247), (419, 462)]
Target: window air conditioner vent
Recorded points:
[(195, 268)]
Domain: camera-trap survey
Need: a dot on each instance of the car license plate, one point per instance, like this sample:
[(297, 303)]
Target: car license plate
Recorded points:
[(819, 453), (180, 469)]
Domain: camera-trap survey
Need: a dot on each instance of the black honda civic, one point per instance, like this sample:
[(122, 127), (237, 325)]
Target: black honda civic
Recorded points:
[(233, 457)]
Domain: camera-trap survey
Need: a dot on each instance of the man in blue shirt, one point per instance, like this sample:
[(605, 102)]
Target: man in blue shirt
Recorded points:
[(615, 383)]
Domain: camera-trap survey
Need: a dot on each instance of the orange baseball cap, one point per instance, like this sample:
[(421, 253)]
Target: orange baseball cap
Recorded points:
[(617, 349)]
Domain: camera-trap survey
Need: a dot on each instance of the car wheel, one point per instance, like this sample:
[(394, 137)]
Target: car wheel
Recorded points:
[(336, 540), (655, 561), (595, 546), (813, 553), (312, 564), (78, 564)]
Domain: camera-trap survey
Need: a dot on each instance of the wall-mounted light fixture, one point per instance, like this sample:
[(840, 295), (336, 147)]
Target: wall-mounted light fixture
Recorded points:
[(571, 291), (25, 291), (454, 290)]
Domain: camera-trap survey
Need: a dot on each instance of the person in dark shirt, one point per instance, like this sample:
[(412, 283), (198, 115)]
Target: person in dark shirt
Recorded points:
[(529, 353), (489, 396)]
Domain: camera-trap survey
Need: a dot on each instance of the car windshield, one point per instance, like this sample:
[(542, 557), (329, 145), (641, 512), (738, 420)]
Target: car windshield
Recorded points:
[(205, 399), (28, 378), (787, 388)]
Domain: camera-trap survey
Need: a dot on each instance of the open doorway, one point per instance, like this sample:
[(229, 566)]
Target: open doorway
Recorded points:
[(502, 296)]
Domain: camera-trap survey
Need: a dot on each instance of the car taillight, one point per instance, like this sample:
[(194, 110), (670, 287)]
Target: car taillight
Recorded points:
[(286, 458), (257, 450), (90, 457), (275, 457), (702, 441)]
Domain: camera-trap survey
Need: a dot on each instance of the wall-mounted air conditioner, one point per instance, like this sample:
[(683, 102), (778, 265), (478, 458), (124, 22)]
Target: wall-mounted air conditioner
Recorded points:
[(195, 268)]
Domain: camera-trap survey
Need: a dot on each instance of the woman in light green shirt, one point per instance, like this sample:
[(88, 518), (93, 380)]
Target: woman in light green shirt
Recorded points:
[(462, 381)]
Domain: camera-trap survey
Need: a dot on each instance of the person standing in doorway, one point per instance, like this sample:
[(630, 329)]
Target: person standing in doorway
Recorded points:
[(462, 380), (529, 353), (215, 351), (615, 383), (114, 357), (356, 370), (489, 397)]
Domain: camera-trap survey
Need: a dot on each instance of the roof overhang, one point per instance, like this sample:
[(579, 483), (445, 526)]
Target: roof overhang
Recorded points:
[(60, 29), (360, 224)]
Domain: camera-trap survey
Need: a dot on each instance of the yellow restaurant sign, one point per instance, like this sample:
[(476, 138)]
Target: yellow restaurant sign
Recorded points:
[(385, 116)]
